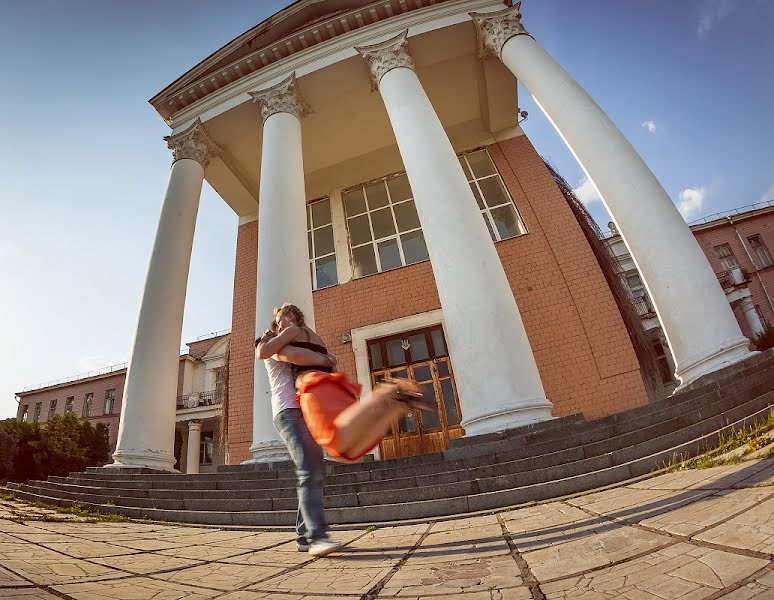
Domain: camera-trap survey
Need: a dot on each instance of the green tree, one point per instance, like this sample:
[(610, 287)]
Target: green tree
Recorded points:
[(29, 456), (7, 455), (62, 443), (95, 440)]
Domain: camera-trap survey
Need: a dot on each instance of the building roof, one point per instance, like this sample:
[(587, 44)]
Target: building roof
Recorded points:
[(297, 27)]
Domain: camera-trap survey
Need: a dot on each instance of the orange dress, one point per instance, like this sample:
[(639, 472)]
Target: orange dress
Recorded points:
[(322, 397)]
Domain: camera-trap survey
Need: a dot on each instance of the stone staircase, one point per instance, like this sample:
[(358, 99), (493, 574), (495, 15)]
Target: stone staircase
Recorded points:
[(532, 463)]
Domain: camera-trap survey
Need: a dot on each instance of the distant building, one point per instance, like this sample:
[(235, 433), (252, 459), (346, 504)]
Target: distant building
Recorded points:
[(96, 397), (736, 244)]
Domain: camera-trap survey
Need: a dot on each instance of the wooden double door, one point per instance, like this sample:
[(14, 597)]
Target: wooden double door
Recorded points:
[(420, 355)]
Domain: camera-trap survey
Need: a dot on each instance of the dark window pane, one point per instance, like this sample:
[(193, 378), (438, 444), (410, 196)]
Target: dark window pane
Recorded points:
[(389, 255), (323, 241), (418, 348), (407, 423), (321, 213), (382, 223), (477, 195), (406, 216), (364, 261), (481, 164), (430, 418), (443, 369), (399, 188), (438, 342), (401, 373), (377, 195), (422, 373), (414, 248), (354, 203), (359, 230), (309, 239), (493, 191), (507, 221), (395, 354), (375, 350), (326, 271), (465, 168), (450, 406), (308, 217)]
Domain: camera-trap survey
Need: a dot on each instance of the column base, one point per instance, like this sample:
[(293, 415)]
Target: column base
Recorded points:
[(536, 411), (729, 353), (144, 461), (268, 451)]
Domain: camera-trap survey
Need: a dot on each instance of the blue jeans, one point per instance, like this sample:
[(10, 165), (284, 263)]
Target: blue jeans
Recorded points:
[(310, 470)]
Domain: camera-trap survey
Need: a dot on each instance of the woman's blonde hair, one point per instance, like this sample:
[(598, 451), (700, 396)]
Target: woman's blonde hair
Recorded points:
[(292, 310)]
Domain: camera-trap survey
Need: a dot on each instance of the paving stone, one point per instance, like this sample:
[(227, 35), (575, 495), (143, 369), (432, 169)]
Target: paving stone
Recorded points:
[(62, 570), (764, 477), (455, 577), (8, 578), (257, 541), (146, 563), (760, 589), (680, 571), (332, 580), (707, 511), (28, 594), (460, 544), (203, 552), (592, 552), (550, 524), (221, 576), (753, 530), (135, 588), (87, 549)]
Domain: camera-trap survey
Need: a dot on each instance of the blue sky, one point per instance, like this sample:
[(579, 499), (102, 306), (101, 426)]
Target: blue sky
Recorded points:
[(83, 167)]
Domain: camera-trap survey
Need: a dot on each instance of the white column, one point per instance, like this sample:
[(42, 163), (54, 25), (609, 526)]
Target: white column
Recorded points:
[(497, 379), (193, 447), (146, 434), (751, 315), (283, 255), (701, 329)]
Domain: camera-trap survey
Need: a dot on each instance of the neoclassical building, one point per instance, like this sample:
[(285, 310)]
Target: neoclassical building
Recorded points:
[(372, 153)]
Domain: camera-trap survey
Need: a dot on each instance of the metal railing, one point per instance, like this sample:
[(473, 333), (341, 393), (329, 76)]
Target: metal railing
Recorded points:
[(732, 277), (733, 211), (102, 371), (644, 307), (213, 334), (197, 399)]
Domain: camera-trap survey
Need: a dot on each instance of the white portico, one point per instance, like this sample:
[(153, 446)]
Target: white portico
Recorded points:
[(341, 92)]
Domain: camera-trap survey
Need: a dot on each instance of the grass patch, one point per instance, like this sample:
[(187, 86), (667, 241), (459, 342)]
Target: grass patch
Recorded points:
[(751, 438), (370, 528), (76, 509)]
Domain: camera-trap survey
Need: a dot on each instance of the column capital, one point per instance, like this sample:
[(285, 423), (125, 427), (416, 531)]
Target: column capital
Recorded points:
[(194, 425), (385, 56), (496, 28), (282, 97), (194, 143)]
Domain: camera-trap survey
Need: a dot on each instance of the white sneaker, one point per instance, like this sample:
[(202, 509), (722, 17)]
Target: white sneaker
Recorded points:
[(302, 546), (324, 546)]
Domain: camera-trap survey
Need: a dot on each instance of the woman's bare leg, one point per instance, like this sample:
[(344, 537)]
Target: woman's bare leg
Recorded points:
[(362, 424)]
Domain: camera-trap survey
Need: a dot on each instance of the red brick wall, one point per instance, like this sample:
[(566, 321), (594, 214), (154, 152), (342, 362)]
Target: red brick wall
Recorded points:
[(98, 386), (724, 233), (581, 346), (242, 354)]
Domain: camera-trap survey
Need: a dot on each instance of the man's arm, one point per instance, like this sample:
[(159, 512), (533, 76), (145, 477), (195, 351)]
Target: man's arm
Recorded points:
[(269, 346), (305, 357)]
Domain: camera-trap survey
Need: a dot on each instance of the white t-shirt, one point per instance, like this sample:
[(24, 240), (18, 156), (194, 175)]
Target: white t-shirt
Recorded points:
[(283, 389)]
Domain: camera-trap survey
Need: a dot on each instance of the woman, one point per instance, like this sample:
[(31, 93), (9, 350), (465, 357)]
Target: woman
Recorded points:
[(345, 427)]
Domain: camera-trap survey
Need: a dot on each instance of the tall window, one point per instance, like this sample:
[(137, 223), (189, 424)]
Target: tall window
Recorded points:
[(322, 253), (726, 256), (38, 408), (384, 230), (662, 362), (110, 398), (88, 400), (761, 251), (206, 447), (759, 312), (500, 214), (69, 404), (52, 409), (25, 412)]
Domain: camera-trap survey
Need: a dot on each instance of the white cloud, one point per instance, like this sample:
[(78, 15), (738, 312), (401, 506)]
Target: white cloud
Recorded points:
[(768, 194), (691, 201), (586, 192), (650, 126), (712, 12), (95, 363)]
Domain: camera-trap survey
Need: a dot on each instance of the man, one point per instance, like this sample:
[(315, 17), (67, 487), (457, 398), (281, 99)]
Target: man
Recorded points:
[(307, 456)]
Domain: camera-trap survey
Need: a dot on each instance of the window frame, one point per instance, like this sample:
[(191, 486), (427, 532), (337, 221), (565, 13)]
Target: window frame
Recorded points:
[(69, 404), (310, 229), (757, 244), (368, 212), (111, 404), (25, 412), (486, 211), (52, 408), (723, 257), (37, 411), (88, 402)]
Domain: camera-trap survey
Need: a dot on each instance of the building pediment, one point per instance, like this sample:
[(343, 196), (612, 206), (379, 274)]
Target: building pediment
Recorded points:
[(296, 28)]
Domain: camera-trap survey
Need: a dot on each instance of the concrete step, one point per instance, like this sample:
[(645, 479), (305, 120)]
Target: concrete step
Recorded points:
[(480, 501)]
